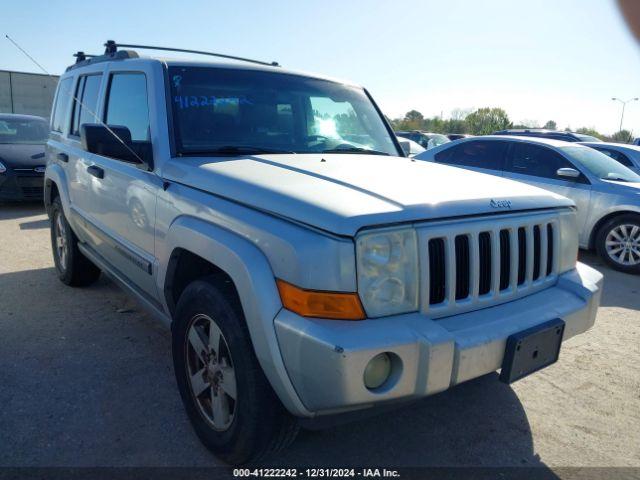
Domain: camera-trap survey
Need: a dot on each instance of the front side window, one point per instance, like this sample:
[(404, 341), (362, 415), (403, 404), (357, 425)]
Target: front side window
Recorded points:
[(86, 102), (23, 131), (222, 111), (537, 161), (127, 104), (61, 108), (476, 154)]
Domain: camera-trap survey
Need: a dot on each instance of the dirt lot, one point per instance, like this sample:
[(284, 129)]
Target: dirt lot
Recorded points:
[(86, 380)]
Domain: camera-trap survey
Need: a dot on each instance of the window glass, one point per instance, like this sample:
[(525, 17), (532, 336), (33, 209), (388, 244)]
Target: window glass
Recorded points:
[(61, 108), (218, 108), (85, 110), (528, 159), (600, 165), (127, 104), (476, 154), (20, 130), (618, 156)]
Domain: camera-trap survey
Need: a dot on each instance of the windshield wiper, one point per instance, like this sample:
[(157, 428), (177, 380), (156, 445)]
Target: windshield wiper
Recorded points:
[(354, 150), (235, 150)]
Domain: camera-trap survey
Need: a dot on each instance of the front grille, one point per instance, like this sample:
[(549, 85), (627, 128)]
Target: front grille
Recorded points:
[(477, 264), (32, 192)]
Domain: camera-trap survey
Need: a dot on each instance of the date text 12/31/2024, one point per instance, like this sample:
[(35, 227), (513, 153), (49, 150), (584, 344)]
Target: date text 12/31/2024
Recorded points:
[(315, 473)]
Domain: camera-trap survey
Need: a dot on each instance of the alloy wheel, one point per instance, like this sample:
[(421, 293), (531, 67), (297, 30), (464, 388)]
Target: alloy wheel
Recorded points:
[(211, 372), (623, 244), (61, 244)]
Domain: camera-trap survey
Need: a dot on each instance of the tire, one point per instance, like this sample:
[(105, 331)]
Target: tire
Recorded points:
[(618, 243), (72, 266), (236, 413)]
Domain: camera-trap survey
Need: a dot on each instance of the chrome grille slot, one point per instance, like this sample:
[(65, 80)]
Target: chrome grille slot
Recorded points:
[(462, 267), (505, 259), (437, 278), (484, 240), (477, 263)]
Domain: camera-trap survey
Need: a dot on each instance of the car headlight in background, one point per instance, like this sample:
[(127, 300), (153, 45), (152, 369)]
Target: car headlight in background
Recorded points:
[(2, 168), (387, 264)]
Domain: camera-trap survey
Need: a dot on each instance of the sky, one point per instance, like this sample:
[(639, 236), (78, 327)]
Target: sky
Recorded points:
[(560, 60)]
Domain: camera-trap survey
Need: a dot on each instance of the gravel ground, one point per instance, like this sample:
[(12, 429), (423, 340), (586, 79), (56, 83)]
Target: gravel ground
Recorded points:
[(86, 380)]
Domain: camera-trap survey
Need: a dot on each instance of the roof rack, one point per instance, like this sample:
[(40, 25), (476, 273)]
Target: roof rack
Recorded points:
[(111, 47)]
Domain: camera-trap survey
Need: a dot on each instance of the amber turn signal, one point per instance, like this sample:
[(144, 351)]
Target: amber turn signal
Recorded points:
[(318, 304)]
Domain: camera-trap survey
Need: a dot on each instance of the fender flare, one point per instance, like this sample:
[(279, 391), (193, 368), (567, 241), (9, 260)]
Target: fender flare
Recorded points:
[(55, 174), (254, 280)]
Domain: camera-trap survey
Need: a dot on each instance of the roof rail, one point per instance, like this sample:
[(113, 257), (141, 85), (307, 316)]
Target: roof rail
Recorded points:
[(111, 48), (83, 59)]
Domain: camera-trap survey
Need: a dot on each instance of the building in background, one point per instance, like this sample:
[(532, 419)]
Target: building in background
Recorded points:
[(29, 93)]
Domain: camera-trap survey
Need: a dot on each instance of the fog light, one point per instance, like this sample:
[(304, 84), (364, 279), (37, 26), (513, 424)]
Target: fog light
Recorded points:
[(377, 371)]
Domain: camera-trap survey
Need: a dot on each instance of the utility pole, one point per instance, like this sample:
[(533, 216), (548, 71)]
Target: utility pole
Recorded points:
[(624, 104)]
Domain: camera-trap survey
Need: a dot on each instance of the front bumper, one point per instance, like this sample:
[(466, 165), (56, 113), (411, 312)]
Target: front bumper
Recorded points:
[(325, 359), (21, 186)]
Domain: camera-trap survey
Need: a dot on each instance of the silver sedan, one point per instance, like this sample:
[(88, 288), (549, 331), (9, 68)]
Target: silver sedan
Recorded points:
[(606, 193)]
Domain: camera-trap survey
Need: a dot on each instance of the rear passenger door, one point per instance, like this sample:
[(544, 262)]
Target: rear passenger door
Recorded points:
[(486, 156), (537, 165), (122, 195)]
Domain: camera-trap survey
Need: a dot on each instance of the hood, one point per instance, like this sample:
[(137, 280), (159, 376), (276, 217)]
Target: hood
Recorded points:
[(344, 193), (16, 155)]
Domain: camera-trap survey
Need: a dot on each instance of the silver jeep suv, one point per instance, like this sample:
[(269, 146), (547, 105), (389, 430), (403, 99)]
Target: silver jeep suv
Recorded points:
[(305, 266)]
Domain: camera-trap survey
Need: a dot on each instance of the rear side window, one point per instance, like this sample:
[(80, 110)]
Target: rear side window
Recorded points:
[(528, 159), (84, 110), (61, 108), (617, 156), (127, 104), (478, 154)]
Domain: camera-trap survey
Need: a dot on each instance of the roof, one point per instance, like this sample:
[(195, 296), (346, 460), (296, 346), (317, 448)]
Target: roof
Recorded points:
[(132, 56), (619, 146), (538, 140), (535, 130), (20, 116)]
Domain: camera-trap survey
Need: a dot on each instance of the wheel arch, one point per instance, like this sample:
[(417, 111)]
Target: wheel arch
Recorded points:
[(195, 249), (604, 219), (55, 185)]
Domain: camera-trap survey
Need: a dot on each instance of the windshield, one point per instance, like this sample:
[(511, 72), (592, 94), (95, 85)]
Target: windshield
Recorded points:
[(600, 165), (231, 111), (587, 138), (29, 131), (435, 139)]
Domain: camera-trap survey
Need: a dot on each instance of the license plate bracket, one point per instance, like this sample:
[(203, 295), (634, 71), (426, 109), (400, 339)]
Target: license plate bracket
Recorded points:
[(531, 350)]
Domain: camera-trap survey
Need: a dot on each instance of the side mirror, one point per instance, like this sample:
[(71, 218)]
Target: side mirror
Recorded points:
[(406, 147), (101, 140), (568, 173)]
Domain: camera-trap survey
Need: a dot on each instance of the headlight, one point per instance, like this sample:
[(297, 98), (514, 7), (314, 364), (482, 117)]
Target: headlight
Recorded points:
[(388, 272), (568, 241), (2, 168)]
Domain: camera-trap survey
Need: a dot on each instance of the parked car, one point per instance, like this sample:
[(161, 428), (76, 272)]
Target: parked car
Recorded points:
[(22, 140), (606, 193), (425, 139), (636, 141), (552, 134), (627, 155), (302, 273), (457, 136), (412, 148)]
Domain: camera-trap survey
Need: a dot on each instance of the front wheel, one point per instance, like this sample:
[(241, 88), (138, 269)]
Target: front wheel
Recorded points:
[(618, 243), (228, 399)]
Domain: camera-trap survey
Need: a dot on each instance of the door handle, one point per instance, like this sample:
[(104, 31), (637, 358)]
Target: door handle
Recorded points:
[(96, 171), (63, 157)]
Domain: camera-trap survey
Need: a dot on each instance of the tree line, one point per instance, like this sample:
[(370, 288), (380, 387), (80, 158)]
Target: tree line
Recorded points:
[(485, 121)]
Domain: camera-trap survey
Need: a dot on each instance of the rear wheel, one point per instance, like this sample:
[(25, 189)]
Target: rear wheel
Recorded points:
[(72, 266), (618, 243), (228, 399)]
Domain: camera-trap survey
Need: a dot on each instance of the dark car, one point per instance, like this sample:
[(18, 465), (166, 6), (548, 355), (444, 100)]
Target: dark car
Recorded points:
[(426, 140), (552, 134), (457, 136), (22, 161)]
